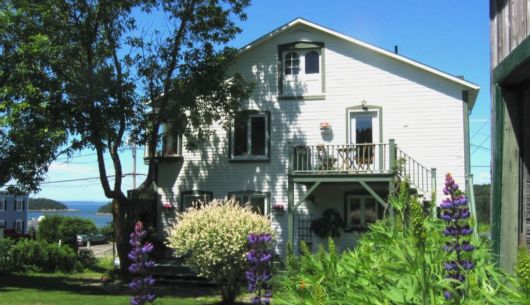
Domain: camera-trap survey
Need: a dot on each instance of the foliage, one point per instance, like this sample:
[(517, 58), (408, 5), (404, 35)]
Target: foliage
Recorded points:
[(522, 269), (6, 258), (86, 259), (108, 231), (31, 255), (328, 225), (398, 261), (82, 75), (55, 227), (105, 209), (456, 214), (214, 237), (141, 264), (45, 204), (259, 273)]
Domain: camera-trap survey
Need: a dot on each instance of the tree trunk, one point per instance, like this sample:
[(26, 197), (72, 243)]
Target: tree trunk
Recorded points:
[(122, 230)]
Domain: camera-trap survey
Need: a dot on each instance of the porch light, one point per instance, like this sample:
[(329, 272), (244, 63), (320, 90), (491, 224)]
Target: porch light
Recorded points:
[(363, 103)]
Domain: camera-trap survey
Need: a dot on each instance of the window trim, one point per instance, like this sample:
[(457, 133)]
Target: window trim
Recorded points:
[(3, 204), (21, 222), (194, 193), (249, 157), (19, 201), (301, 45), (252, 193), (2, 223)]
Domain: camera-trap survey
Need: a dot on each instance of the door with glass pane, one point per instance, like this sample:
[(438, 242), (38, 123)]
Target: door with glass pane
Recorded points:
[(364, 133)]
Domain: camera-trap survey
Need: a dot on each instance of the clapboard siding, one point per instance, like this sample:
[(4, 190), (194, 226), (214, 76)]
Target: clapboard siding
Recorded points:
[(509, 26), (421, 111)]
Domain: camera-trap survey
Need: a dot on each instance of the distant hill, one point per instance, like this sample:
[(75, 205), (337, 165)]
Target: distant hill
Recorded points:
[(45, 204), (105, 209)]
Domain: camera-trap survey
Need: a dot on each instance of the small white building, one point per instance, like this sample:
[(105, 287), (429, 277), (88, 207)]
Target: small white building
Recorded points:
[(331, 122)]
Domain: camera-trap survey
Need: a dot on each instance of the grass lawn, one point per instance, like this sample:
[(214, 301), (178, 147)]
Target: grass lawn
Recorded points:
[(87, 289)]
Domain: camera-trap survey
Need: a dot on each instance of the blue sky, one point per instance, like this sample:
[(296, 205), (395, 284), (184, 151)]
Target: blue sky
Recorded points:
[(450, 35)]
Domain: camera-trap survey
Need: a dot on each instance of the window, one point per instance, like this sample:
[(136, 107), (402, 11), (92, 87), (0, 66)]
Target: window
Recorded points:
[(2, 223), (258, 201), (312, 62), (250, 136), (19, 225), (191, 197), (362, 211), (20, 204), (301, 69), (292, 63), (3, 204)]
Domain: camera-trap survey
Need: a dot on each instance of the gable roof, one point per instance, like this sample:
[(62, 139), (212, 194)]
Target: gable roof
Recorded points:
[(473, 88)]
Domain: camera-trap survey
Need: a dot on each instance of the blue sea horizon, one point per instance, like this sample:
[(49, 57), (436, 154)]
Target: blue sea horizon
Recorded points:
[(82, 209)]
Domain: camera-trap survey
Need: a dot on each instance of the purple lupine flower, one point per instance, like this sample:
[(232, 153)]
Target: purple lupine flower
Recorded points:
[(259, 258), (139, 266), (455, 213)]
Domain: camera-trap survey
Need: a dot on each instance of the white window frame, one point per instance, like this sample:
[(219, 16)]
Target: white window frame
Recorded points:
[(240, 196), (19, 204), (302, 75), (249, 155), (3, 204), (19, 223), (363, 225)]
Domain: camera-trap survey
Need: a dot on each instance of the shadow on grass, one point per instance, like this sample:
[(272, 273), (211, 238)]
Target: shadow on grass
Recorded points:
[(77, 284)]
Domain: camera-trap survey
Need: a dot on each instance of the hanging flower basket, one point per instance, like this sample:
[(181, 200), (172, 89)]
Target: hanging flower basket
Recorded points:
[(167, 206), (278, 208), (325, 127)]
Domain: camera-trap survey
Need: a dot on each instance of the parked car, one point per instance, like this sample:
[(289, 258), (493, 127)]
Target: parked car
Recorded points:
[(94, 238)]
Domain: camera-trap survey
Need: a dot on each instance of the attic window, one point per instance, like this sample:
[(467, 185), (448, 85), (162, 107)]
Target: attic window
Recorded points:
[(301, 69)]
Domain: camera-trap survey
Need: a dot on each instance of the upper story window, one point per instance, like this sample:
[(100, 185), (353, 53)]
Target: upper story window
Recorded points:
[(3, 204), (292, 63), (197, 197), (250, 136), (302, 67), (20, 204)]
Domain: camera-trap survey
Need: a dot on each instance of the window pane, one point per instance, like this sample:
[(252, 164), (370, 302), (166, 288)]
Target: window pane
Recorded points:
[(257, 204), (311, 62), (240, 135), (258, 137), (363, 129), (370, 210), (355, 212), (292, 63)]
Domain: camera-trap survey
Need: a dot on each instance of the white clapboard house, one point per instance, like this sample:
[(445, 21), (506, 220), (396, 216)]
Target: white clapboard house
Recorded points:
[(331, 123)]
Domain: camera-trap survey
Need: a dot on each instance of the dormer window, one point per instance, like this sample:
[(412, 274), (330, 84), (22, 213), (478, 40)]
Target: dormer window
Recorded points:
[(302, 68)]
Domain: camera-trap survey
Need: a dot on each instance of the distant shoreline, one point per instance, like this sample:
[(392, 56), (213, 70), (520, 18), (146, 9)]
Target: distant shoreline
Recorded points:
[(54, 210), (98, 213)]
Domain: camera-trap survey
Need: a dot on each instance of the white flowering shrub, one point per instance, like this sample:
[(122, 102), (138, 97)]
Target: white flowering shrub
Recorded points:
[(214, 237)]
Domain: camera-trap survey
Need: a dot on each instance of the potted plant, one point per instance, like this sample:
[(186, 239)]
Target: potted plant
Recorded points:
[(325, 127)]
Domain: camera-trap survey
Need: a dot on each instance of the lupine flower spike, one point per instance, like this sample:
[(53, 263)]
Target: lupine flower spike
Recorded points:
[(139, 256), (455, 213), (259, 258)]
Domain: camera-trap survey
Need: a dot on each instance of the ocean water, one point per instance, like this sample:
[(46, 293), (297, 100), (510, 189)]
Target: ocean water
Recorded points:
[(82, 209)]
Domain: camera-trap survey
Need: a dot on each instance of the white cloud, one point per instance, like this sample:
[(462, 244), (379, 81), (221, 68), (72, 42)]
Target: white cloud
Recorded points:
[(75, 170)]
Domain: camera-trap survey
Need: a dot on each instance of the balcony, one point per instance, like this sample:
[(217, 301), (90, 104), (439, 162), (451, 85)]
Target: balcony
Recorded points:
[(373, 162)]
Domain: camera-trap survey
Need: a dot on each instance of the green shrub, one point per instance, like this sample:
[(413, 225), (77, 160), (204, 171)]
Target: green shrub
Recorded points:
[(86, 258), (6, 255), (31, 255), (399, 261), (215, 239), (54, 228)]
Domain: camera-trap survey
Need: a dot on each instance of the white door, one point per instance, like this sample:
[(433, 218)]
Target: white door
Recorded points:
[(364, 131)]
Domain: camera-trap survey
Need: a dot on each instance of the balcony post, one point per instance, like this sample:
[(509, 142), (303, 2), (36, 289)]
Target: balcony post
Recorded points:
[(392, 155)]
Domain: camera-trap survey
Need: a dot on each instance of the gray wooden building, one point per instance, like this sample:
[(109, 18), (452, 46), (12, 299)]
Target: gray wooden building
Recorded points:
[(510, 95)]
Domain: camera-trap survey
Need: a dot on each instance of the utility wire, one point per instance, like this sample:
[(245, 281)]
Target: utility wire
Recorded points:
[(89, 178), (480, 128)]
